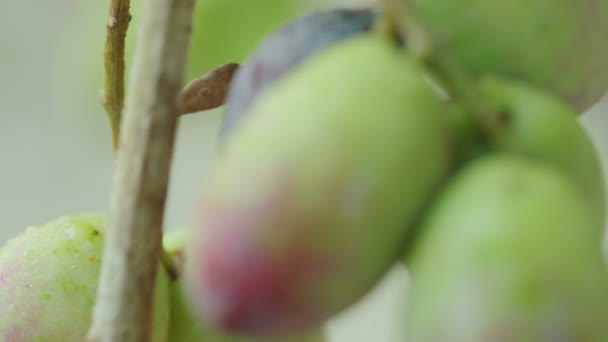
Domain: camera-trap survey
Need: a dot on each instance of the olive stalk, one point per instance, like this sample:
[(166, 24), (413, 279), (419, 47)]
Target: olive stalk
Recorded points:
[(400, 17), (123, 310), (117, 25)]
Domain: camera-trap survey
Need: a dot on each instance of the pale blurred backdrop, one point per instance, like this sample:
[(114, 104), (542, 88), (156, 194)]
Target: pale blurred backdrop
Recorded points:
[(55, 145)]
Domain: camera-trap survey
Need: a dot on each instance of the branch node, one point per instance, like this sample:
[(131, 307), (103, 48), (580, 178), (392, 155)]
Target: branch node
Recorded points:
[(208, 91), (112, 22)]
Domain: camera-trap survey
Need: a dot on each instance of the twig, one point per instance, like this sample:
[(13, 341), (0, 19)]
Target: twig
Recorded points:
[(123, 311), (208, 91), (114, 63)]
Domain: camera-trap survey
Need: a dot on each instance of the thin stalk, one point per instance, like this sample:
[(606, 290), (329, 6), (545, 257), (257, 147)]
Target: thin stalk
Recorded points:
[(117, 25), (407, 26)]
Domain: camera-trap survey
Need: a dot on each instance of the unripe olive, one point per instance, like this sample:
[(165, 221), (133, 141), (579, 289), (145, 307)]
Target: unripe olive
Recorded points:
[(526, 120), (509, 252), (48, 282), (555, 44), (309, 204)]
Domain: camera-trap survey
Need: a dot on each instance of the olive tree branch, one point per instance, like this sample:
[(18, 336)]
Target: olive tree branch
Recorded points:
[(125, 296)]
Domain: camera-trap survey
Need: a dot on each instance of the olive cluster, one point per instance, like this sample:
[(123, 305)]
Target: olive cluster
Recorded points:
[(345, 150)]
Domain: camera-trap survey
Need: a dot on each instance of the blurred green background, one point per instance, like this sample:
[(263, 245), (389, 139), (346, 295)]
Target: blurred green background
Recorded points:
[(55, 142)]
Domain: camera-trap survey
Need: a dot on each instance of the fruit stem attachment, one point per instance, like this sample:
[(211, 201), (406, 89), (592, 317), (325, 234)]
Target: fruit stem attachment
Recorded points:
[(167, 261), (461, 89), (123, 311), (117, 25), (403, 21)]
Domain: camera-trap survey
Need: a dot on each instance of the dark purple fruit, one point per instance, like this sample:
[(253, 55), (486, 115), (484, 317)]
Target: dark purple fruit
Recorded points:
[(285, 49)]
